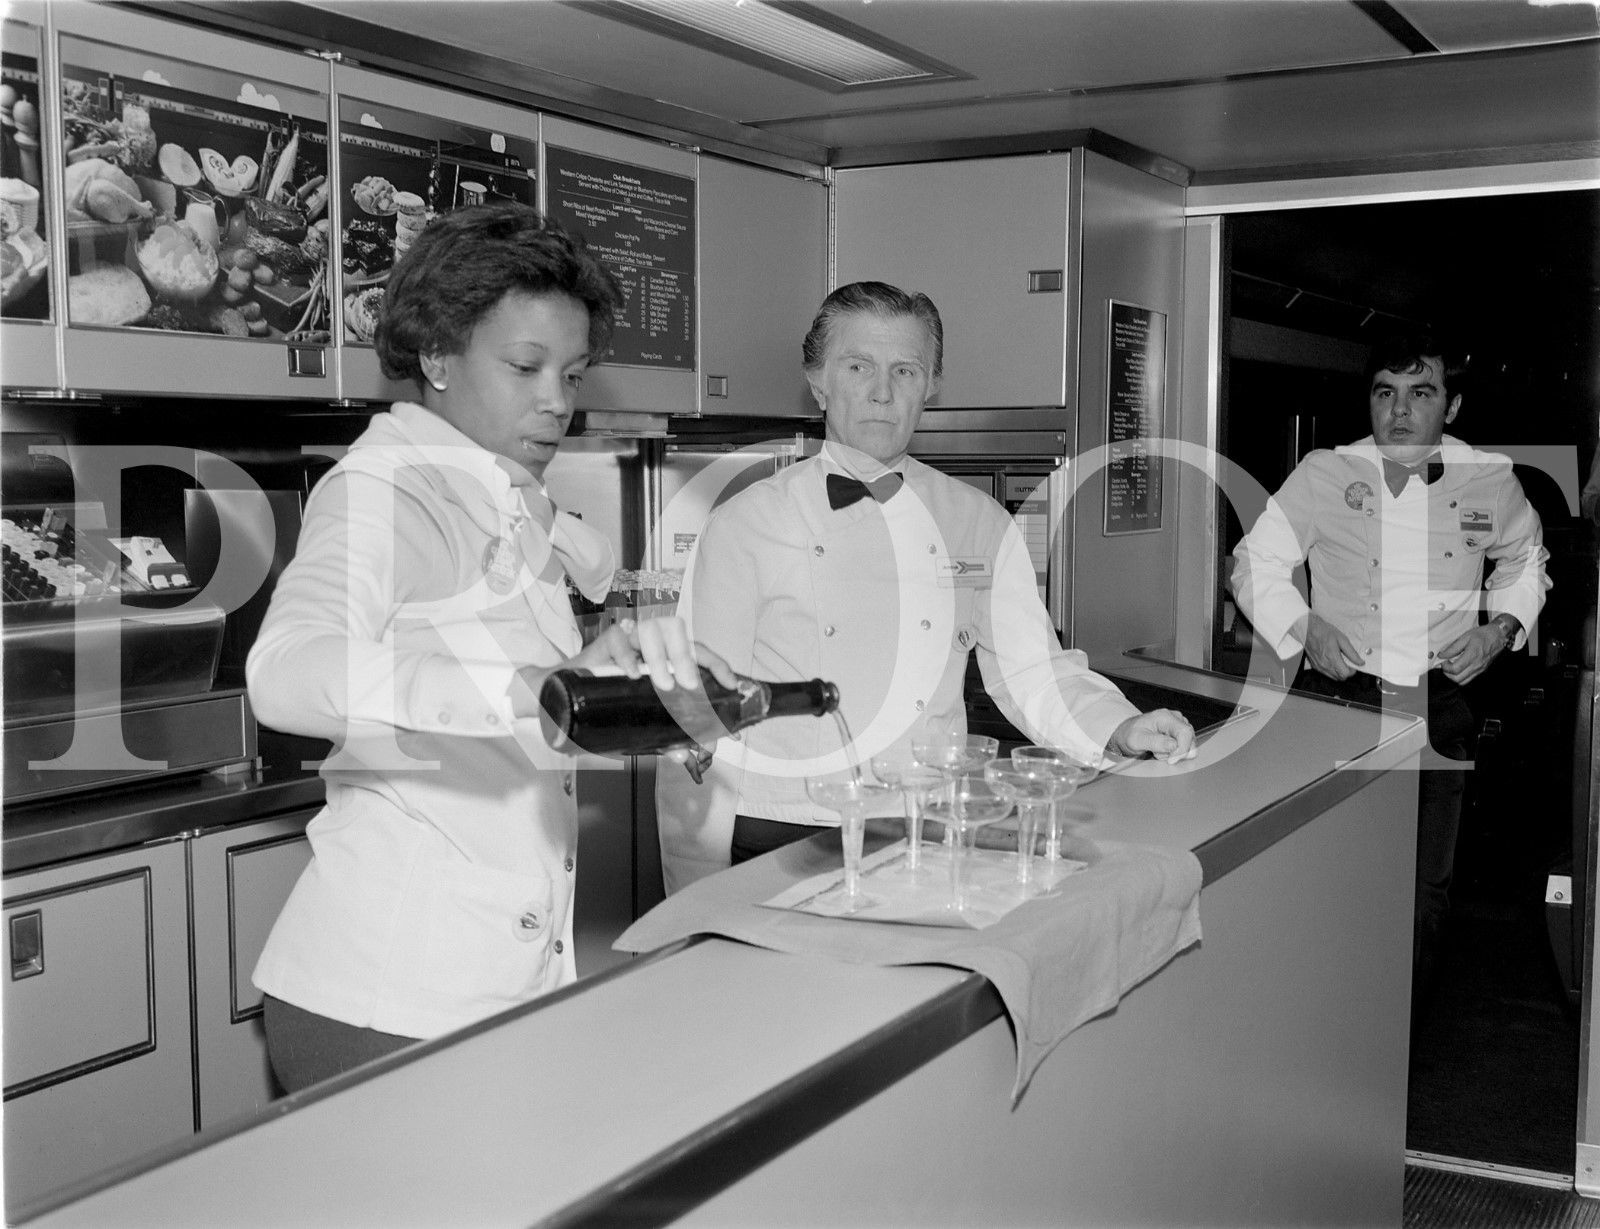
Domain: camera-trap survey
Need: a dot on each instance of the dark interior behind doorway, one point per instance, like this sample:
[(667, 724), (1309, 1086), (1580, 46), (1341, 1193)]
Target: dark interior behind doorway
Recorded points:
[(1516, 278)]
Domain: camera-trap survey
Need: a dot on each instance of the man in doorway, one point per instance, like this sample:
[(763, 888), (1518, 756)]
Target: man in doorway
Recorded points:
[(1395, 530), (866, 567)]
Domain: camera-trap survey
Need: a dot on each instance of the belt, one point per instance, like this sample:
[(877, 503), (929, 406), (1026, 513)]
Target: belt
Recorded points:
[(1385, 687)]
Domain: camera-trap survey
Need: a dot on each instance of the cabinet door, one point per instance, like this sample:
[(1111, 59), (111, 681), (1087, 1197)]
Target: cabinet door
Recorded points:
[(97, 1059), (240, 878), (987, 241), (763, 273)]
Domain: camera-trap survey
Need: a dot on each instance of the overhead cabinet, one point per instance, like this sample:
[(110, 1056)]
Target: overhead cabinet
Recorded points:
[(195, 216), (989, 241), (408, 152), (763, 272), (636, 203)]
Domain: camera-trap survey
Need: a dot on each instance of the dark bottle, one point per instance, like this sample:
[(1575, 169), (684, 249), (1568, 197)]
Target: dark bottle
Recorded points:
[(612, 714)]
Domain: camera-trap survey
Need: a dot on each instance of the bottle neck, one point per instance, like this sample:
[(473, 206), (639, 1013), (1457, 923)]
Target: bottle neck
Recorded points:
[(811, 697)]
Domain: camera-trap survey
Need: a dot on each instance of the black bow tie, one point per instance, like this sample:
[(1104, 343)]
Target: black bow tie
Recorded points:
[(844, 490), (1396, 475)]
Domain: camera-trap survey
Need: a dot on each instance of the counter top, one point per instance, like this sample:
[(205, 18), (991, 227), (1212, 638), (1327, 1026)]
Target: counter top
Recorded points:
[(60, 829), (635, 1095)]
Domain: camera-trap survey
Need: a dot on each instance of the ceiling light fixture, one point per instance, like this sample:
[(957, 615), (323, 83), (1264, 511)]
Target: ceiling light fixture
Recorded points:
[(795, 39)]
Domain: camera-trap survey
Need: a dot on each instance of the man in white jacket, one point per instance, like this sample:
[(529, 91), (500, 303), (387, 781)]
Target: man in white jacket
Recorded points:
[(865, 567), (1395, 530)]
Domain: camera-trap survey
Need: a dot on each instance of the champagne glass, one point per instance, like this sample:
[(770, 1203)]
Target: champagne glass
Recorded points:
[(850, 798), (917, 784), (973, 805), (1035, 786), (1072, 775), (952, 755)]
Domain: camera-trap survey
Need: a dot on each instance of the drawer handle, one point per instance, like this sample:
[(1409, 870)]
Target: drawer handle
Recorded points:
[(27, 945)]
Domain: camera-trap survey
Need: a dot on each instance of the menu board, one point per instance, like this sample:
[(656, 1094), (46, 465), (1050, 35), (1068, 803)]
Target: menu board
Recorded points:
[(640, 223), (195, 203), (24, 250), (398, 170), (1136, 389)]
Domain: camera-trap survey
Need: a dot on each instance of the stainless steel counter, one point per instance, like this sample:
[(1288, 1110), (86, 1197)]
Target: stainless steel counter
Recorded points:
[(59, 830)]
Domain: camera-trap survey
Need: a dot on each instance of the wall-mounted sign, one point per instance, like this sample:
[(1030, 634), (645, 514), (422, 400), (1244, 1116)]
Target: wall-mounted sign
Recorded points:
[(1136, 395), (640, 223)]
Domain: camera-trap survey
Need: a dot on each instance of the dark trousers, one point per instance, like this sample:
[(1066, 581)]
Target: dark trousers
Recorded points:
[(1451, 736), (753, 837), (305, 1048)]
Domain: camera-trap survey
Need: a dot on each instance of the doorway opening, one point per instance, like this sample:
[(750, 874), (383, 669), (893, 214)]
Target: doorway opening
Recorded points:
[(1515, 280)]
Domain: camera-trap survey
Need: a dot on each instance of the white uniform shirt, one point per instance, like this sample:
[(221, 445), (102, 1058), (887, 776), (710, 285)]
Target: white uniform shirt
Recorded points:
[(1402, 576), (886, 601), (440, 890)]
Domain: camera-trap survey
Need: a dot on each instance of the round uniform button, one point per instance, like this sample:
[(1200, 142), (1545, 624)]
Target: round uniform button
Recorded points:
[(828, 631), (1449, 554), (919, 706), (1430, 654), (816, 550), (568, 862), (932, 549), (1373, 606), (1372, 512), (528, 926), (492, 719), (566, 784), (444, 718), (1452, 503), (560, 947), (926, 625), (1373, 562)]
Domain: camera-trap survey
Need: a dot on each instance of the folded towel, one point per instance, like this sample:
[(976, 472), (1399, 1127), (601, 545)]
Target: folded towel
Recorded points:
[(1056, 961)]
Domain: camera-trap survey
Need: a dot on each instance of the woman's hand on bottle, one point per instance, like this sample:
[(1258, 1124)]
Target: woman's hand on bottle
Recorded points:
[(660, 648)]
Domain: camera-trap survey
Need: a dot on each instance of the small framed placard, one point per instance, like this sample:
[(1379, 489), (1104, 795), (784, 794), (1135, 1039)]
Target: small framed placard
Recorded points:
[(1136, 396)]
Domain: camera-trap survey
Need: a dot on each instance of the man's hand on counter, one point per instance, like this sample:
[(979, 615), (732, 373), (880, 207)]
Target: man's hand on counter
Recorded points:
[(1161, 732)]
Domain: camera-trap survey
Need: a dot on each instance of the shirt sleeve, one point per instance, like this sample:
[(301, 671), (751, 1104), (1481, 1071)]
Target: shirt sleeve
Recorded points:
[(322, 665), (1045, 690), (1265, 560), (1517, 585)]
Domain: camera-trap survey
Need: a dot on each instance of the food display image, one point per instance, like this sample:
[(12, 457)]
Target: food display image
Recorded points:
[(24, 254), (398, 173), (193, 214)]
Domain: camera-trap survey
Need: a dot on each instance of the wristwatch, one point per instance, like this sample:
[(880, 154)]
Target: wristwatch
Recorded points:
[(1509, 627)]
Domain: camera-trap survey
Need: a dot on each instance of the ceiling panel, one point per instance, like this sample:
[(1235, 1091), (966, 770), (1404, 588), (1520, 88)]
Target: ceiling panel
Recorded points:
[(1215, 85), (1538, 97), (1498, 23)]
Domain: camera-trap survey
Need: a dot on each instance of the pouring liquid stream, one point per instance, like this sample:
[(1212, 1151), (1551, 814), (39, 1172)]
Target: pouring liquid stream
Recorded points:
[(848, 743)]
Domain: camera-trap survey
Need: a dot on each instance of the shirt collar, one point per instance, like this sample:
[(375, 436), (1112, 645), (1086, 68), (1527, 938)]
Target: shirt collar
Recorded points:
[(431, 432), (839, 459)]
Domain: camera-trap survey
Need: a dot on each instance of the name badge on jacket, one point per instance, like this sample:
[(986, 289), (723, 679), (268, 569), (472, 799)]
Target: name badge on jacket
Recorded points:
[(1477, 520), (964, 573)]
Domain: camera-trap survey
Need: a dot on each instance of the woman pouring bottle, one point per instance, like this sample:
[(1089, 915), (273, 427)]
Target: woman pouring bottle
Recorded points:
[(425, 605)]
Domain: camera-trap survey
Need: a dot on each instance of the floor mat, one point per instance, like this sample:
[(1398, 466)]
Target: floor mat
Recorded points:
[(1441, 1199)]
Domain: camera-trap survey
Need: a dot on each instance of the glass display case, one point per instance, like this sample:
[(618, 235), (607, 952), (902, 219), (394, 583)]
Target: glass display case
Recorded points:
[(195, 188), (26, 315), (406, 154)]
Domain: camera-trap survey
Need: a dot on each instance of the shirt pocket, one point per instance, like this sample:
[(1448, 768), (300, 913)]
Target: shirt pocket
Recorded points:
[(487, 933)]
